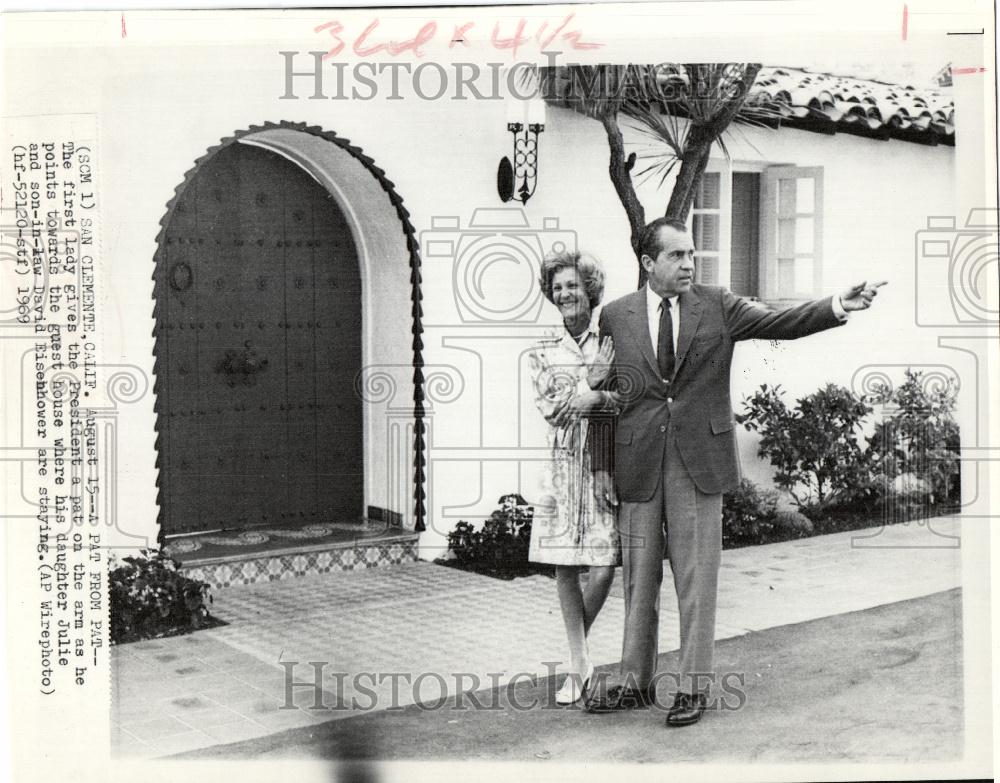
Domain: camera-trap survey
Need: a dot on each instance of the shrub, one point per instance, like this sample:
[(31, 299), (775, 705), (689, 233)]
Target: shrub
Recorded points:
[(790, 524), (464, 542), (501, 546), (917, 444), (748, 514), (814, 447), (150, 598)]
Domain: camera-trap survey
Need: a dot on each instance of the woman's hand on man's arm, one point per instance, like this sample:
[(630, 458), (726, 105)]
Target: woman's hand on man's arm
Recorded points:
[(599, 371), (580, 404)]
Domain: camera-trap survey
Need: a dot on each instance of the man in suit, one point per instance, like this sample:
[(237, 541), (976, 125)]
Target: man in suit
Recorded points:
[(675, 451)]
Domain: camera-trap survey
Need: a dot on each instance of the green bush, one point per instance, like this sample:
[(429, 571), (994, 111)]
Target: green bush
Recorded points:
[(150, 598), (500, 547), (908, 469), (813, 447), (790, 524), (918, 441), (748, 515)]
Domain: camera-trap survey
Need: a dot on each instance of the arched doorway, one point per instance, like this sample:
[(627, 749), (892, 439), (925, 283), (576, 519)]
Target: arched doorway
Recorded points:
[(260, 324)]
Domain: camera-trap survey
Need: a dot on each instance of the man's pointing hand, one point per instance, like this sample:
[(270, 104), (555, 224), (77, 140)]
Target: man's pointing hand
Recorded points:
[(860, 296)]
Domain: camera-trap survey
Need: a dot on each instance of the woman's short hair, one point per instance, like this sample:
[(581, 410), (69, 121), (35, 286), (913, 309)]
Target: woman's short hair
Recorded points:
[(588, 267)]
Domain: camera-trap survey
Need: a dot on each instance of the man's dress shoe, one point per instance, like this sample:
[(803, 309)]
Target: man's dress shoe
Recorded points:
[(687, 709), (619, 698)]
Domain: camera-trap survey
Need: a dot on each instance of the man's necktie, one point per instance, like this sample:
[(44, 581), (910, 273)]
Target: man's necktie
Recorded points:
[(665, 349)]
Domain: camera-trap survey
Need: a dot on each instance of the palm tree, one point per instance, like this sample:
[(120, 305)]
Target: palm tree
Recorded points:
[(682, 109)]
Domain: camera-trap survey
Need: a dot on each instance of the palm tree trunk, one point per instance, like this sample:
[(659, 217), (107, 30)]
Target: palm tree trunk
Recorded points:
[(693, 163), (698, 147), (620, 170)]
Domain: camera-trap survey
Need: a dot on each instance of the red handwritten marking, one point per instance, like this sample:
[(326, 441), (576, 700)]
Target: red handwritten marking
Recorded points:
[(363, 48), (427, 33), (573, 37), (360, 50), (906, 19), (576, 43), (123, 26), (394, 47), (559, 29), (459, 35), (960, 71), (509, 43), (334, 28)]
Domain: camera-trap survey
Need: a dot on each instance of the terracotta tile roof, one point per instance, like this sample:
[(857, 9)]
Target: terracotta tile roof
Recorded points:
[(830, 104)]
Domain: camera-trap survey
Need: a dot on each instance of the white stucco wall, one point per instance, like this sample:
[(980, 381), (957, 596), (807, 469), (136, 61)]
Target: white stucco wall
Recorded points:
[(877, 194), (483, 432)]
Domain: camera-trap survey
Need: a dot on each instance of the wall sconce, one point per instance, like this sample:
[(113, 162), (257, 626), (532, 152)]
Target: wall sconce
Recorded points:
[(522, 173)]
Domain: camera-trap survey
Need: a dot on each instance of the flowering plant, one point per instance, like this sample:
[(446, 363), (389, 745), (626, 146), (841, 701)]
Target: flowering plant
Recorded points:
[(150, 598), (500, 546)]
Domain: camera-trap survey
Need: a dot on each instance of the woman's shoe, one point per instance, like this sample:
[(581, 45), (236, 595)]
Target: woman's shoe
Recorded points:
[(573, 689)]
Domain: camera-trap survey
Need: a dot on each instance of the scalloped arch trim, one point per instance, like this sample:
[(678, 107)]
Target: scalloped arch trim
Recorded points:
[(416, 297)]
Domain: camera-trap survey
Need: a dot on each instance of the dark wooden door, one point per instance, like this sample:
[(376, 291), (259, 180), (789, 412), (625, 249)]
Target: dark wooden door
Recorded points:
[(258, 342)]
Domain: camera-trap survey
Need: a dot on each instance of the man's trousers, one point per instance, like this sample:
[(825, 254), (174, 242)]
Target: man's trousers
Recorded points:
[(690, 522)]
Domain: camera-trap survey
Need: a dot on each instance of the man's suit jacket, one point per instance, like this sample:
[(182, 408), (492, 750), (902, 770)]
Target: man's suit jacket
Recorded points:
[(695, 404)]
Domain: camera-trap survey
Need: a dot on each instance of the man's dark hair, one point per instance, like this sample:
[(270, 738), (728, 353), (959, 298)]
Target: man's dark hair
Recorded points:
[(649, 245)]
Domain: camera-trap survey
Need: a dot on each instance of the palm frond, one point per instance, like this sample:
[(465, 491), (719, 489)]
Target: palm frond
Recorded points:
[(721, 141), (649, 122), (592, 90), (661, 104), (660, 162), (666, 171), (737, 130)]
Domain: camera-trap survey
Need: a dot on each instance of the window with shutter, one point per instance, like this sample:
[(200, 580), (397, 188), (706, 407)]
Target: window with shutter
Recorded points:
[(706, 223), (791, 225)]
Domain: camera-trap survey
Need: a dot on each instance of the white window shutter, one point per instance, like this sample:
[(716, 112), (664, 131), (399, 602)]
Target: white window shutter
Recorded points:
[(792, 233), (706, 225)]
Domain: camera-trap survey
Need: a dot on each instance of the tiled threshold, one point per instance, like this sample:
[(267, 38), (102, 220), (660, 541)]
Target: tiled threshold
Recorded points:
[(285, 560)]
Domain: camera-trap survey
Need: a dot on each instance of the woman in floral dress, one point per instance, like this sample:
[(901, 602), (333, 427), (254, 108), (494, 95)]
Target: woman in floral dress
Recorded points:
[(573, 529)]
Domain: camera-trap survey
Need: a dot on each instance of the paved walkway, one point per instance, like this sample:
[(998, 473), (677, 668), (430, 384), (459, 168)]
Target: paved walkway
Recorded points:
[(228, 684), (880, 685)]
